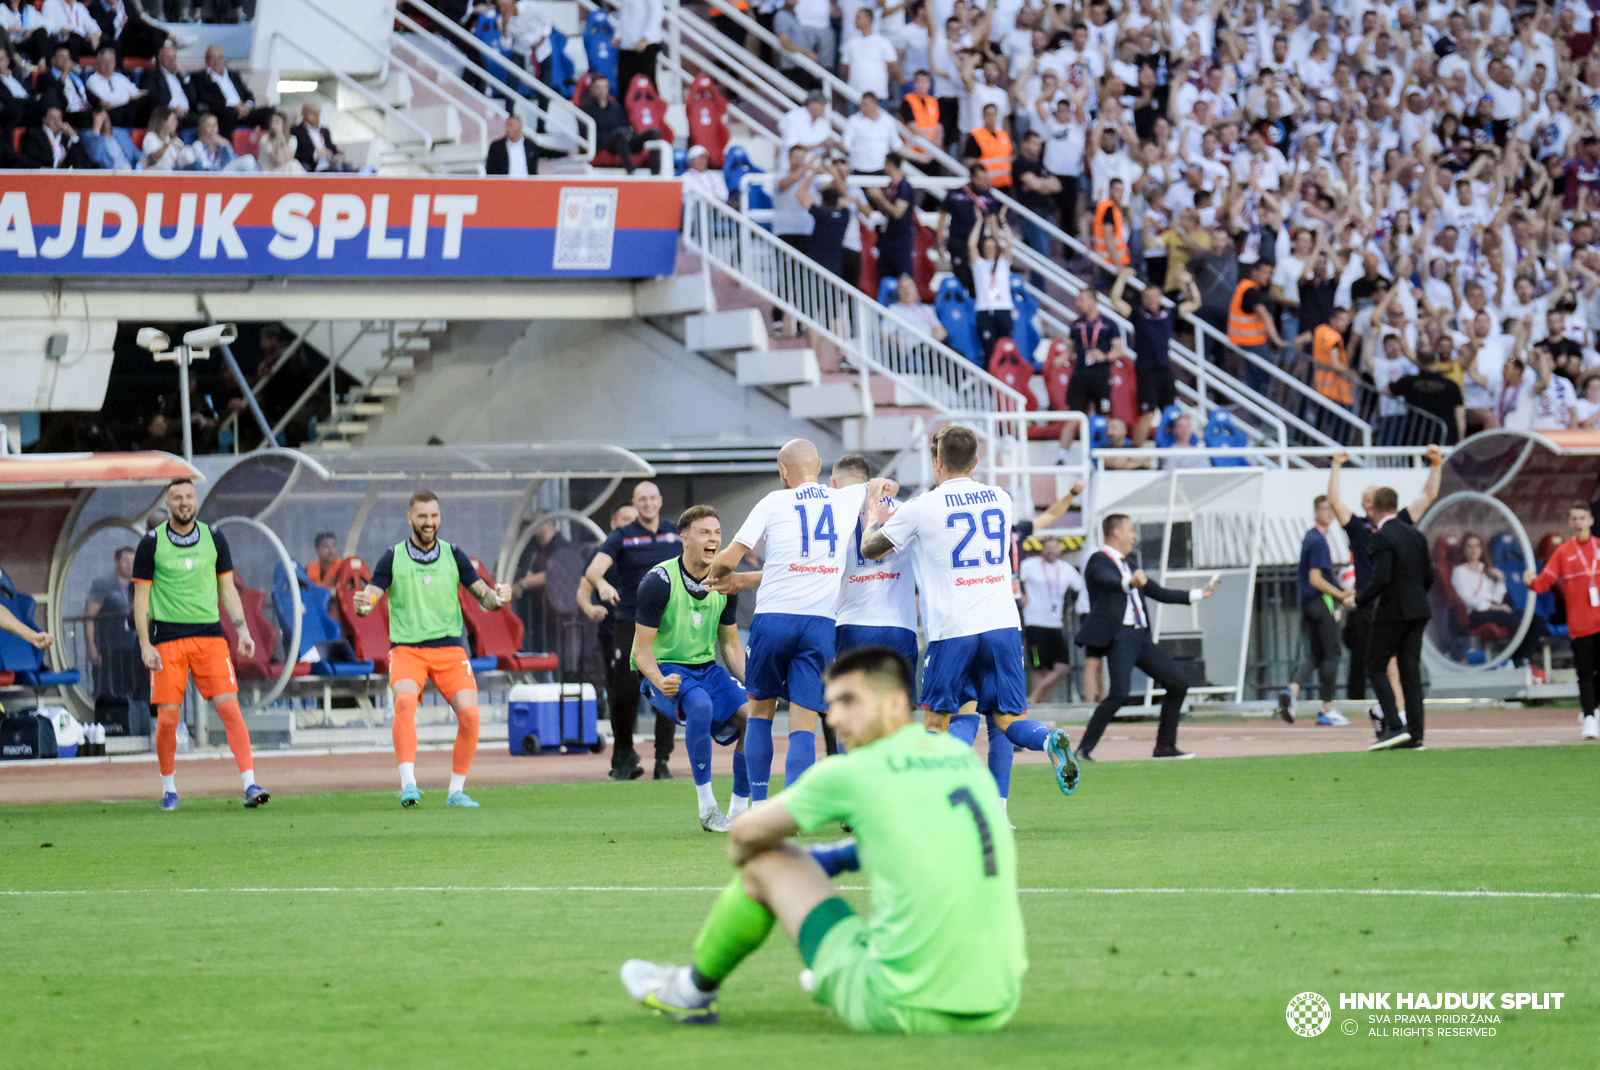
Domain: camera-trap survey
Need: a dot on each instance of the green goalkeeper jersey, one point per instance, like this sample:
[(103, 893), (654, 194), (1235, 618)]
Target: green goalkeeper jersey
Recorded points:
[(936, 847)]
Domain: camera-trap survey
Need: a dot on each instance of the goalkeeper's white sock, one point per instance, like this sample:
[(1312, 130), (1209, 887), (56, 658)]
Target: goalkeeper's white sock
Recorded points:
[(458, 781), (249, 777), (169, 782), (408, 774)]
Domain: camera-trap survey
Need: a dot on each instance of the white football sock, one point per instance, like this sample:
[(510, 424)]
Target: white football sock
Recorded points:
[(169, 782), (707, 800), (457, 782), (738, 805), (408, 774), (248, 776), (1003, 807)]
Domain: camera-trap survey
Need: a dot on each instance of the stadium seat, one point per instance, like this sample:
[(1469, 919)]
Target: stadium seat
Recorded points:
[(246, 141), (369, 635), (1124, 392), (1549, 605), (1446, 552), (738, 164), (7, 679), (1057, 372), (18, 658), (497, 635), (956, 315), (563, 74), (260, 665), (1023, 330), (708, 119), (316, 623), (1222, 431), (599, 45), (1164, 438), (1007, 365), (886, 291), (1097, 432), (646, 109)]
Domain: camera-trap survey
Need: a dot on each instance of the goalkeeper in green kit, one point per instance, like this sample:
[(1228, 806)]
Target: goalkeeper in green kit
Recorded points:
[(943, 950)]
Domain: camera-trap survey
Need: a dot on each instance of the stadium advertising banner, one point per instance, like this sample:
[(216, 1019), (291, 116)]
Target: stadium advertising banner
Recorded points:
[(90, 223)]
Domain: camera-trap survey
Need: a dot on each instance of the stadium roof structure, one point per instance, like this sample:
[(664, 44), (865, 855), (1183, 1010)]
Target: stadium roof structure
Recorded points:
[(1512, 489)]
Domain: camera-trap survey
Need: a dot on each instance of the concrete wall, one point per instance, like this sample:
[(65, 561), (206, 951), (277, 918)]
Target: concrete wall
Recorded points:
[(342, 35)]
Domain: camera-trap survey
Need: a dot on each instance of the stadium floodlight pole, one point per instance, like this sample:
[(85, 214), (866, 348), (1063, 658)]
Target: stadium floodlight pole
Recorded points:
[(196, 346)]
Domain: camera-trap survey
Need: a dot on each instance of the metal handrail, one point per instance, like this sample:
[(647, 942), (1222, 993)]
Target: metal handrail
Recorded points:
[(311, 390), (443, 24), (362, 91), (444, 75)]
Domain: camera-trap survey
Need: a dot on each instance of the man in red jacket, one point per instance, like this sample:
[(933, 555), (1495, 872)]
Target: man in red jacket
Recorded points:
[(1575, 566)]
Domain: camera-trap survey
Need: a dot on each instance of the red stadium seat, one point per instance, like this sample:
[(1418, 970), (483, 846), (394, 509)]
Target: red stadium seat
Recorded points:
[(605, 159), (259, 666), (1124, 392), (246, 141), (16, 139), (646, 110), (499, 634), (7, 679), (1057, 374), (1446, 551), (708, 119), (368, 635)]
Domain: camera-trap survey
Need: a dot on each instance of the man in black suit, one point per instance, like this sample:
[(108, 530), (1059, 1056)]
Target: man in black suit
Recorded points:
[(54, 145), (170, 88), (1397, 597), (63, 87), (1118, 630), (313, 142), (223, 93), (502, 153)]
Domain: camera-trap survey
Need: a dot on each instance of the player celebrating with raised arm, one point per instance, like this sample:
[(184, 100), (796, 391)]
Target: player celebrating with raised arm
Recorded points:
[(961, 534), (943, 951), (809, 530), (421, 576), (878, 599), (178, 570), (680, 622)]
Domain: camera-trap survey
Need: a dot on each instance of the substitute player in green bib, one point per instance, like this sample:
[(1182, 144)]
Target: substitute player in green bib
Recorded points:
[(943, 950), (680, 622), (425, 624)]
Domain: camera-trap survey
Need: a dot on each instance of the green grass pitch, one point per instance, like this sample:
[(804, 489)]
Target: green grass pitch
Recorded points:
[(134, 973)]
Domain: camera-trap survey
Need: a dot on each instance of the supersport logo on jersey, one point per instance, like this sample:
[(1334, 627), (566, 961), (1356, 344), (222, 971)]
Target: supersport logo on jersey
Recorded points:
[(871, 576), (964, 582), (826, 570)]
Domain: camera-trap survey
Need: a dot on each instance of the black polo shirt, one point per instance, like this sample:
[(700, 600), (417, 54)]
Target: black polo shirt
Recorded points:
[(1097, 333), (1152, 335), (636, 550)]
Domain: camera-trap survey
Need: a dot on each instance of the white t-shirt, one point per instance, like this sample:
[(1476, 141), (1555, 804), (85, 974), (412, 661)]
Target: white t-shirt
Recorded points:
[(869, 141), (960, 535), (1552, 410), (992, 280), (868, 58), (1386, 371), (1517, 406), (799, 128), (1046, 584), (878, 594), (1063, 145), (810, 532)]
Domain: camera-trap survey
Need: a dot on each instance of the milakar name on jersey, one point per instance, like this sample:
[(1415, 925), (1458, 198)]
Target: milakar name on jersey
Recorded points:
[(974, 497)]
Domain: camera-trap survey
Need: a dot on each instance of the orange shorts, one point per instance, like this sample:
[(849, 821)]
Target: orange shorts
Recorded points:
[(206, 656), (446, 666)]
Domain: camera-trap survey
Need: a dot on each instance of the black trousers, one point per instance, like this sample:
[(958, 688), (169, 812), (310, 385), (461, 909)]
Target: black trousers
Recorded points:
[(622, 693), (1322, 656), (624, 145), (1356, 626), (630, 63), (1528, 649), (1133, 647), (1401, 640), (1586, 660)]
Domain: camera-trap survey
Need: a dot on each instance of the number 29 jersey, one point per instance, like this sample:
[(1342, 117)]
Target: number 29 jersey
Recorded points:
[(960, 534), (810, 535)]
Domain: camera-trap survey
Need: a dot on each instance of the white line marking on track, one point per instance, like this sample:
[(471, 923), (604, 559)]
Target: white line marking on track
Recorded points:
[(1480, 893)]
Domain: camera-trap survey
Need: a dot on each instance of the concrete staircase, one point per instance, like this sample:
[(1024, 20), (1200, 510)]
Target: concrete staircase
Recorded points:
[(386, 359)]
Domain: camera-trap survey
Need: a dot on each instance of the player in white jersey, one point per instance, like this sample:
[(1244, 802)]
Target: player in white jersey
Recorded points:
[(810, 532), (878, 599), (960, 535)]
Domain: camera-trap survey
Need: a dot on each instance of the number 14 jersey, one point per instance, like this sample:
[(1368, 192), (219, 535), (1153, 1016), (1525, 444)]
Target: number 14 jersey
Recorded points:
[(960, 534), (810, 534)]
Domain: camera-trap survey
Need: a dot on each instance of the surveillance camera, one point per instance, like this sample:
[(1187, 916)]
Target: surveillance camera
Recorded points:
[(217, 334), (153, 340)]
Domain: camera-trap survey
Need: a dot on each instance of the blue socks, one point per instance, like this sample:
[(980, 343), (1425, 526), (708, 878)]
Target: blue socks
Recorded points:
[(964, 726), (802, 756), (758, 756), (1029, 735), (741, 775), (696, 705), (836, 858), (1001, 751)]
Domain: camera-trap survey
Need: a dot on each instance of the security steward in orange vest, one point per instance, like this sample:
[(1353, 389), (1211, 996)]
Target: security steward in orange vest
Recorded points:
[(1108, 236), (920, 111), (1250, 325), (991, 146)]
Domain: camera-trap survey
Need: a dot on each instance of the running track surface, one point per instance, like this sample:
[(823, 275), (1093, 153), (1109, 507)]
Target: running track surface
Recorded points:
[(132, 778)]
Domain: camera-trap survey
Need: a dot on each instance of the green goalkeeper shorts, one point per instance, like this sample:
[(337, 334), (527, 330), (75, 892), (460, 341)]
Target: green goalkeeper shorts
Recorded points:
[(847, 978)]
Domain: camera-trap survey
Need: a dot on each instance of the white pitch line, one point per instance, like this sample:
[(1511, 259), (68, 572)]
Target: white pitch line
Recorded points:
[(1481, 893)]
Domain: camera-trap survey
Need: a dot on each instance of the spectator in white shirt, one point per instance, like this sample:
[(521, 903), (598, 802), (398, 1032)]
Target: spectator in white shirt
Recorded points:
[(640, 31), (126, 102), (807, 126), (869, 136), (162, 149), (868, 61), (701, 179), (66, 22)]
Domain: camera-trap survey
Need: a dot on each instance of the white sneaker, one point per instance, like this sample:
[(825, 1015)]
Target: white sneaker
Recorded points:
[(714, 820), (1375, 715), (1591, 727), (664, 987), (1333, 717)]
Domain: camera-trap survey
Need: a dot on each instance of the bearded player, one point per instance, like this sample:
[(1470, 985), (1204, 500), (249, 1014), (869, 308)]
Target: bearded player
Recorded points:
[(421, 576)]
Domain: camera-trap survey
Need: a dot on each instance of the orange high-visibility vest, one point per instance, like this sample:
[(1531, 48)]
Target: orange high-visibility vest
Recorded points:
[(994, 147), (1327, 349), (1244, 330), (925, 121), (1117, 254)]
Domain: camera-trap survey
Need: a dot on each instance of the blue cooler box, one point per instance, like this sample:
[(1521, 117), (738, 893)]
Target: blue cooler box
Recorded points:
[(549, 721)]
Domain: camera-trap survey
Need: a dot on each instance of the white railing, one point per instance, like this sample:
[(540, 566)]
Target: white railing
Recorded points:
[(872, 339), (1263, 456), (357, 88), (446, 28)]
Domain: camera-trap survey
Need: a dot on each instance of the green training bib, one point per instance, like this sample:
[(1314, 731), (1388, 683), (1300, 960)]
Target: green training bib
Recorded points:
[(184, 589), (688, 632), (422, 597)]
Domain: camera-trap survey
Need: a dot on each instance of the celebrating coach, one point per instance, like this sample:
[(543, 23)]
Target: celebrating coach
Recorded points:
[(1401, 576), (1118, 630)]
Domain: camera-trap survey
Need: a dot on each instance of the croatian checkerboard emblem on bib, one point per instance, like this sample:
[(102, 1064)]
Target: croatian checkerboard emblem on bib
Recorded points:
[(699, 618), (1309, 1014), (427, 581), (188, 562)]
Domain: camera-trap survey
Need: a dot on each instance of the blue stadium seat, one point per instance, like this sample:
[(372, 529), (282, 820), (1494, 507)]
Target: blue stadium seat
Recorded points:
[(738, 163), (487, 663), (957, 316), (680, 161), (1164, 437), (1097, 432), (886, 291), (316, 625), (598, 35), (563, 78), (19, 658), (1222, 431), (1023, 332), (1505, 553)]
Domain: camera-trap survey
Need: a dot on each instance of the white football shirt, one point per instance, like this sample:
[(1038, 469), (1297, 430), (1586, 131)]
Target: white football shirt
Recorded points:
[(960, 535), (880, 594), (810, 535)]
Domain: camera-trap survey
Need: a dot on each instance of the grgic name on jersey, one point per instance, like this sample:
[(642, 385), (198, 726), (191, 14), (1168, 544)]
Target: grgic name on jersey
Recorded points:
[(974, 497)]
